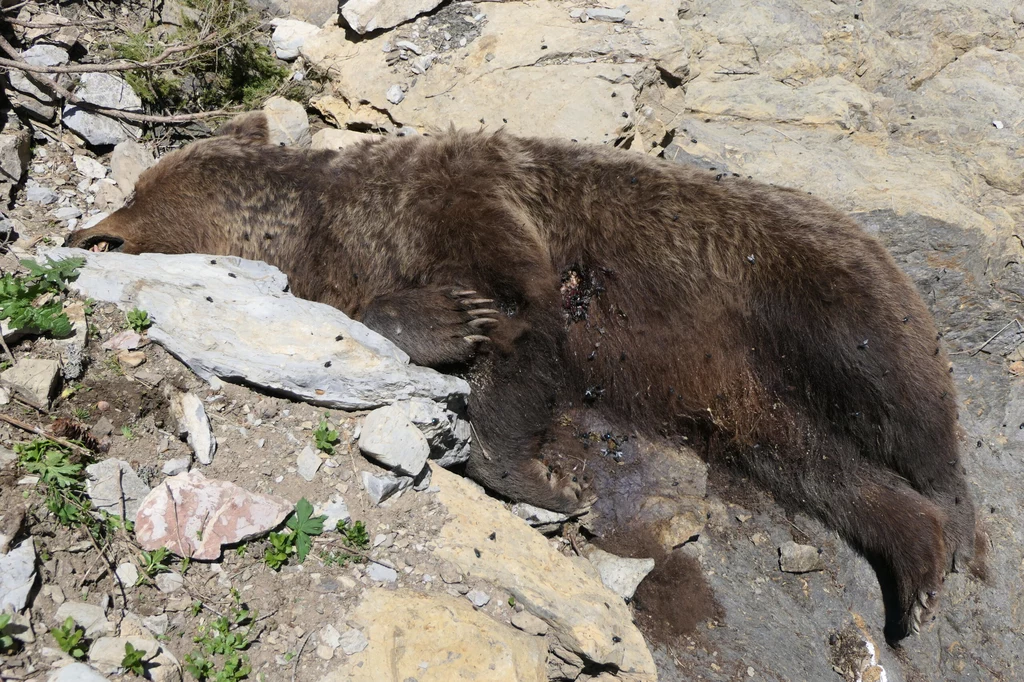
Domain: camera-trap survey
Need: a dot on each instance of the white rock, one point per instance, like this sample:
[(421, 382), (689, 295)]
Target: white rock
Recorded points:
[(156, 624), (330, 636), (108, 90), (92, 618), (389, 437), (169, 583), (38, 55), (335, 510), (287, 122), (106, 655), (395, 94), (89, 167), (529, 623), (535, 516), (67, 213), (14, 157), (380, 573), (191, 415), (478, 598), (128, 574), (380, 488), (619, 574), (605, 14), (114, 487), (17, 576), (255, 331), (33, 379), (308, 463), (364, 16), (290, 35), (173, 467), (127, 162), (76, 672), (352, 642)]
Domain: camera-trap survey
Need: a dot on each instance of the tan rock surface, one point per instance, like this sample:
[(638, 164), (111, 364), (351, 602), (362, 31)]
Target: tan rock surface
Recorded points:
[(583, 614), (437, 639)]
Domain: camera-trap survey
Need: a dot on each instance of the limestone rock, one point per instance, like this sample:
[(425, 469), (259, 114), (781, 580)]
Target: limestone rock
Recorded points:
[(334, 139), (114, 487), (380, 488), (14, 158), (128, 574), (380, 573), (38, 55), (194, 516), (621, 575), (106, 655), (76, 672), (192, 420), (529, 623), (91, 618), (39, 194), (584, 615), (308, 463), (289, 35), (288, 122), (353, 641), (253, 330), (447, 433), (794, 558), (437, 639), (170, 582), (335, 510), (127, 162), (390, 438), (34, 380), (108, 90), (17, 576), (365, 16), (89, 167)]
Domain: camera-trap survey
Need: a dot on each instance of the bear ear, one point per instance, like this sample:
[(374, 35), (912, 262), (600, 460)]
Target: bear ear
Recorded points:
[(249, 129)]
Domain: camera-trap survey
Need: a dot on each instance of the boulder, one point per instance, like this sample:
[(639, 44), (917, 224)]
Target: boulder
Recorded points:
[(366, 16), (107, 90)]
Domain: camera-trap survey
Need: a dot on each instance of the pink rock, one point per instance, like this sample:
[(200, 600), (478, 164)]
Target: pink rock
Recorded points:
[(126, 340), (194, 516)]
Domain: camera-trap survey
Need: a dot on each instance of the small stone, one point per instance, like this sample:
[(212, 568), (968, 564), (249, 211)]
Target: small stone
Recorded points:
[(34, 380), (352, 642), (169, 583), (334, 139), (66, 213), (173, 467), (156, 624), (287, 122), (17, 576), (604, 14), (381, 574), (395, 94), (535, 516), (89, 167), (124, 340), (478, 598), (290, 35), (102, 428), (39, 194), (128, 574), (191, 416), (88, 616), (619, 574), (114, 487), (324, 652), (330, 636), (529, 623), (998, 125), (450, 574), (308, 463), (380, 488), (131, 358), (335, 510), (794, 558), (55, 593), (389, 437), (106, 655), (408, 45)]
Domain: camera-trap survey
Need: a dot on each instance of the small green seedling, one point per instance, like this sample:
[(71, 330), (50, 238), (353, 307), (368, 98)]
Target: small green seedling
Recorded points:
[(303, 527), (355, 536), (127, 432), (69, 638), (326, 437), (153, 563), (6, 641), (133, 659), (138, 320)]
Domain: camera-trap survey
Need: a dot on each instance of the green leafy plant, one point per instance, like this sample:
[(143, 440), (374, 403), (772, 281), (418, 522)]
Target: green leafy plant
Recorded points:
[(60, 477), (33, 302), (81, 413), (138, 320), (6, 641), (226, 637), (325, 437), (298, 540), (127, 432), (70, 638), (355, 536), (153, 563), (133, 659)]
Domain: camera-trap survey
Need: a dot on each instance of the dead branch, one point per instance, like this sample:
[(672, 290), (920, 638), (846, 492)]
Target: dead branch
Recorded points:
[(57, 24), (14, 421), (71, 98), (121, 65)]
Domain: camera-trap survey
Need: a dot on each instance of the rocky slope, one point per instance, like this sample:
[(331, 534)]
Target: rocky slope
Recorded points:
[(908, 114)]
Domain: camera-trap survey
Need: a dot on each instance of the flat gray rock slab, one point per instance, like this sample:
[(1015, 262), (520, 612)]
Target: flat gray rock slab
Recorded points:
[(17, 575), (114, 487), (76, 672), (389, 437), (90, 617), (107, 90), (231, 318), (33, 379), (621, 575)]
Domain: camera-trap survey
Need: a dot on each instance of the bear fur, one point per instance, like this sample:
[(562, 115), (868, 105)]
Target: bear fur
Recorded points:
[(753, 322)]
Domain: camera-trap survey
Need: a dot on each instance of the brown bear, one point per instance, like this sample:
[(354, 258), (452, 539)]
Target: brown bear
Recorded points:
[(753, 322)]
